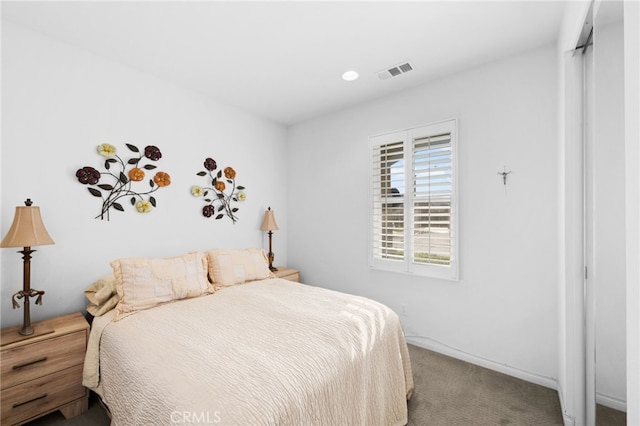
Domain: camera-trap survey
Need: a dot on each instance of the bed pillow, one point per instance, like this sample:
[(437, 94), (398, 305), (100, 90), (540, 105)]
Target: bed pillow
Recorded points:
[(143, 283), (231, 267), (102, 295)]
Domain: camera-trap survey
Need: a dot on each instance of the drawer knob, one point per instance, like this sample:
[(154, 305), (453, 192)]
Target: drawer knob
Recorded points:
[(26, 364), (16, 405)]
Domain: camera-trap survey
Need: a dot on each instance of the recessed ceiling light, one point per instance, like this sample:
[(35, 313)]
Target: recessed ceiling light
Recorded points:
[(349, 75)]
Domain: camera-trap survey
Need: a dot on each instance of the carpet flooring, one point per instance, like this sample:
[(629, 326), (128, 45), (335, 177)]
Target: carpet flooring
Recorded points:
[(453, 392), (448, 392)]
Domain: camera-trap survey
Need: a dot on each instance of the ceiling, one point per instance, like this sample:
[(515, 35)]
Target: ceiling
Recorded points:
[(284, 60)]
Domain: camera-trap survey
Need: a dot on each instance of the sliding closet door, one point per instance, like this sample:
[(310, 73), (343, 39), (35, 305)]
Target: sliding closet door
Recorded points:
[(571, 373), (589, 220), (606, 183), (595, 340)]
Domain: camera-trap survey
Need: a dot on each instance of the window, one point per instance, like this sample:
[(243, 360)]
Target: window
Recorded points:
[(413, 201)]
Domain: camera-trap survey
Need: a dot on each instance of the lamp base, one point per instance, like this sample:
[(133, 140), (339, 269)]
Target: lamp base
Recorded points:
[(14, 334)]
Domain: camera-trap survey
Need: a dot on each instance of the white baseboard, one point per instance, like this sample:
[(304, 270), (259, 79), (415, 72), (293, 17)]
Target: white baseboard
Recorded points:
[(611, 402), (528, 376)]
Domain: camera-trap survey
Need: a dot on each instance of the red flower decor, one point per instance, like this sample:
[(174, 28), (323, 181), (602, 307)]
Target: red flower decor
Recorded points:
[(88, 175)]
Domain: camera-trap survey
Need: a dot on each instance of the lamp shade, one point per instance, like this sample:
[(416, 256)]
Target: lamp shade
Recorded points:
[(269, 221), (27, 229)]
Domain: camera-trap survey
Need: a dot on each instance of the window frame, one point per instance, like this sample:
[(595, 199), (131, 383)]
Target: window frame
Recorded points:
[(406, 265)]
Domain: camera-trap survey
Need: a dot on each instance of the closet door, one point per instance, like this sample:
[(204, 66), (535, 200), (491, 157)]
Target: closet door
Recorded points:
[(604, 213), (589, 222), (606, 198)]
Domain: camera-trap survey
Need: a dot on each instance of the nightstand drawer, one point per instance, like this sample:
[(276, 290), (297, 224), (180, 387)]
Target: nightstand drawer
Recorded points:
[(41, 395), (38, 359), (293, 277), (288, 274)]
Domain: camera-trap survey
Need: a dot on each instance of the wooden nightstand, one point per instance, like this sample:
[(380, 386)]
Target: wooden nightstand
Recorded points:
[(288, 274), (43, 374)]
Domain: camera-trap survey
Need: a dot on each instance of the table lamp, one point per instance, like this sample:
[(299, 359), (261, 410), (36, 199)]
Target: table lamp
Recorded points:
[(269, 224), (27, 230)]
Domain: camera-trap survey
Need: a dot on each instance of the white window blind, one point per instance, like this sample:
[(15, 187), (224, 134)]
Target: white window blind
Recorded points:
[(432, 194), (388, 205), (413, 201)]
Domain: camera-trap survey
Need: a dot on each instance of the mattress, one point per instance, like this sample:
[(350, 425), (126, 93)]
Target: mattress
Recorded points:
[(269, 352)]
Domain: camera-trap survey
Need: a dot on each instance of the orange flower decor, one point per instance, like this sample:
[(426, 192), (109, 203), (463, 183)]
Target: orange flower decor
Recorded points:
[(136, 174), (216, 193), (229, 173), (119, 180), (162, 179)]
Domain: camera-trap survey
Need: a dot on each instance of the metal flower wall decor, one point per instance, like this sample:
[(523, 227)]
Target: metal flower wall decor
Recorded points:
[(117, 182), (219, 193)]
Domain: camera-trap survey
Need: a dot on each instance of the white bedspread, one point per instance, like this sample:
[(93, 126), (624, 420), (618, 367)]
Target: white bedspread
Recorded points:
[(270, 352)]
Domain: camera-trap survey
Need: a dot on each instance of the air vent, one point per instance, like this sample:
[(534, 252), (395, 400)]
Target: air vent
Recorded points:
[(406, 67), (395, 71)]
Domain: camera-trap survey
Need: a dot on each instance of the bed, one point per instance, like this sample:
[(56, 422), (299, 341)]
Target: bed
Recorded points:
[(267, 351)]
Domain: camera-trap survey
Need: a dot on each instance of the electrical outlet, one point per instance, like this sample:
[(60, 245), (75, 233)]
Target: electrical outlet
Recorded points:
[(403, 309)]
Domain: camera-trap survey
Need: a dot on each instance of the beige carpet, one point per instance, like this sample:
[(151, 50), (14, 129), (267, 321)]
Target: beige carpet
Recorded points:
[(606, 416), (447, 392), (452, 392)]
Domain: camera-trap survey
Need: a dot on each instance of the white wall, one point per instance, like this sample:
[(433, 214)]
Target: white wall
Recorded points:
[(58, 104), (503, 311), (609, 216)]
